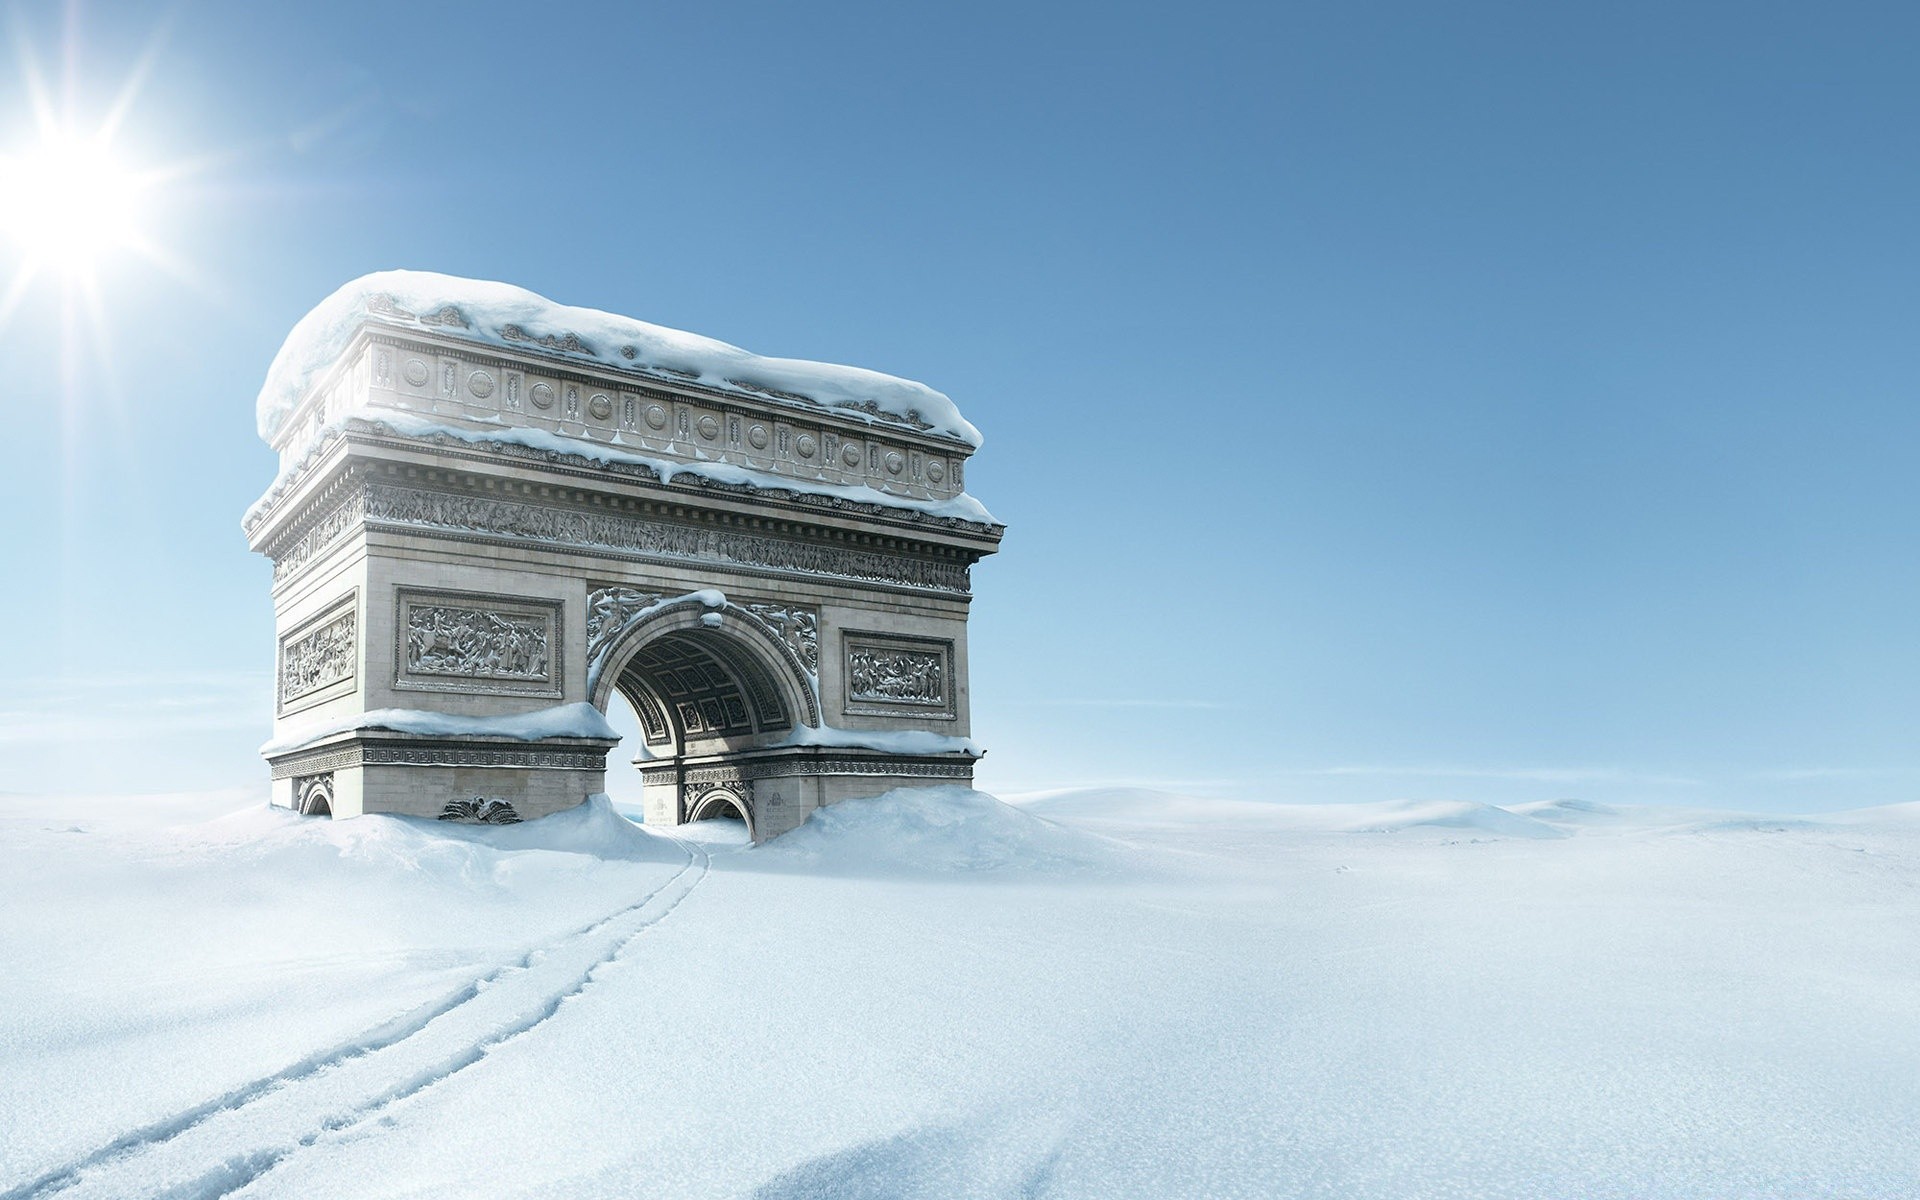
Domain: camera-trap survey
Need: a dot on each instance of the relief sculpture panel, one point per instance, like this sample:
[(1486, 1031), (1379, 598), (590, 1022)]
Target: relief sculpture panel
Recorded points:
[(476, 643), (458, 643), (318, 660), (897, 676)]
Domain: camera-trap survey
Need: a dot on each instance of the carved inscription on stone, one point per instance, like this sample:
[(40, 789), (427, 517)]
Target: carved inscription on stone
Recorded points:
[(797, 625), (477, 643), (889, 676), (459, 642), (319, 656)]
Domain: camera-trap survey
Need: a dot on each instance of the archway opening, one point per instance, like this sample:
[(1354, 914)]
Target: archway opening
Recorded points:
[(719, 808), (713, 692), (702, 691)]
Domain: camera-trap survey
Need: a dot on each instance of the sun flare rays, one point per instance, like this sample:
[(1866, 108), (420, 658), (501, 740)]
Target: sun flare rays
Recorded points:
[(74, 200)]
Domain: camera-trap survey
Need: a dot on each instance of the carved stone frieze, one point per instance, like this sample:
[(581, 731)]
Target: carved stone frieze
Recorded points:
[(519, 520), (330, 526)]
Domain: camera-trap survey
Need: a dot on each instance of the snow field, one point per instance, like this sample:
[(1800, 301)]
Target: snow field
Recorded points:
[(934, 994)]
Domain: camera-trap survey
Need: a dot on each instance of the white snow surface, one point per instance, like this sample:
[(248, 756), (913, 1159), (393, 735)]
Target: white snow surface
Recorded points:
[(488, 308), (578, 720), (1123, 993), (893, 741)]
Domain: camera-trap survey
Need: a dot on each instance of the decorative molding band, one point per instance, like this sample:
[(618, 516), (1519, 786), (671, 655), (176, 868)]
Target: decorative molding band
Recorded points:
[(801, 767), (682, 481), (368, 754), (514, 520)]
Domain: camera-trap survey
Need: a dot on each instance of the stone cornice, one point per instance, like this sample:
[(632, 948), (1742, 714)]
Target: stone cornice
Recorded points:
[(372, 432), (454, 504)]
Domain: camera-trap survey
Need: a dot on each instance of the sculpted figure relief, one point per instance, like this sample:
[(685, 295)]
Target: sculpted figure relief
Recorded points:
[(798, 626), (320, 658), (897, 676), (476, 643)]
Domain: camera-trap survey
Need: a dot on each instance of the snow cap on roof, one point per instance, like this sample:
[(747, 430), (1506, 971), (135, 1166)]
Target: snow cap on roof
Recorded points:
[(499, 314)]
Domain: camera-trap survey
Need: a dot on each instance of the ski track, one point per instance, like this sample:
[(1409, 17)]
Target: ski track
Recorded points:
[(218, 1147)]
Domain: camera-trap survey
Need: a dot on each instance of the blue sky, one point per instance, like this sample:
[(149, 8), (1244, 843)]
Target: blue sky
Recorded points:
[(1469, 401)]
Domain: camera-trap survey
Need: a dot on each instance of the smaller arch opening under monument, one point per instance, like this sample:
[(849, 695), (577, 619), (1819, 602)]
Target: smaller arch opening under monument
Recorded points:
[(719, 808)]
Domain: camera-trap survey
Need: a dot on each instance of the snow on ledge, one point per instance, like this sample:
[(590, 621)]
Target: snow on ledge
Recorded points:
[(562, 720), (891, 741), (512, 318)]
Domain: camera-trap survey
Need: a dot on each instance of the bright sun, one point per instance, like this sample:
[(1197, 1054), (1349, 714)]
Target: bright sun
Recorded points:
[(67, 202)]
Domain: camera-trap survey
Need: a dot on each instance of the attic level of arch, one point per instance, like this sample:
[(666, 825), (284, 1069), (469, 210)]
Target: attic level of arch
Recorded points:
[(652, 383), (611, 404)]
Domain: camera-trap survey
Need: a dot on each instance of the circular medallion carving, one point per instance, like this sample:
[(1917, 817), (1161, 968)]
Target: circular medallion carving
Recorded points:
[(895, 464), (757, 437), (850, 454), (541, 394), (936, 470), (708, 427), (416, 372), (804, 445), (656, 416), (480, 384), (600, 406)]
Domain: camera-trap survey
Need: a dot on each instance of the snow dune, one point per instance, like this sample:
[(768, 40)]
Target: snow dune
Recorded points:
[(1087, 994)]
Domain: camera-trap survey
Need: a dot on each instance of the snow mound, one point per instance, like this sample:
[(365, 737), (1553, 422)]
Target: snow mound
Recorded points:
[(1147, 806), (938, 830), (893, 741), (1395, 816), (1144, 806), (579, 720), (595, 828), (508, 317), (451, 851), (1581, 813)]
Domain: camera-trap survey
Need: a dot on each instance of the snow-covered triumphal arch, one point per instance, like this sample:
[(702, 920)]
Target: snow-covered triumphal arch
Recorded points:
[(495, 512)]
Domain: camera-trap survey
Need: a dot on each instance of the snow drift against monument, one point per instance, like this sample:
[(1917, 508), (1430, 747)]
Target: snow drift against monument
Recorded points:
[(499, 314)]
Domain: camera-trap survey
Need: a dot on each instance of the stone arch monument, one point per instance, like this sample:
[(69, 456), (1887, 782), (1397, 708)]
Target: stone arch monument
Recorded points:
[(495, 513)]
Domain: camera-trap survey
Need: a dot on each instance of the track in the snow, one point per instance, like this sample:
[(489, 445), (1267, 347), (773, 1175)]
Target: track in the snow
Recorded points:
[(224, 1144)]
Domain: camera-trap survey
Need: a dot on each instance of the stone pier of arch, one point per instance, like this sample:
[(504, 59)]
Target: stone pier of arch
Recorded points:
[(486, 531)]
